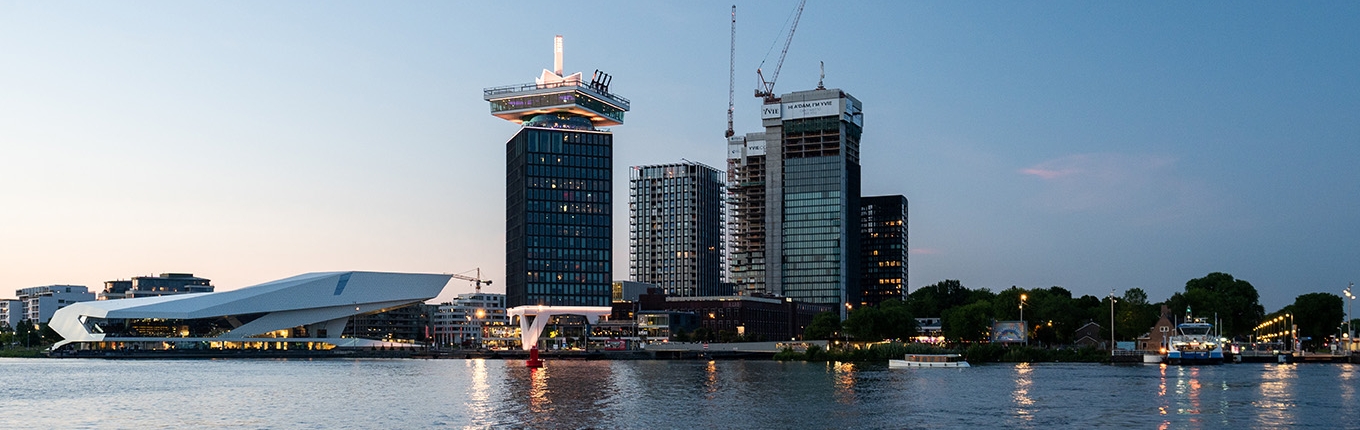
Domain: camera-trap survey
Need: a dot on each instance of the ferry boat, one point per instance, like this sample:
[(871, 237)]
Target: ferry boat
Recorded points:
[(928, 360), (1194, 343)]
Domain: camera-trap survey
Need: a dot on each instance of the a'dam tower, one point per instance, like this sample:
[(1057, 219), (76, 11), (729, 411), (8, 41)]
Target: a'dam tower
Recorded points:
[(558, 194)]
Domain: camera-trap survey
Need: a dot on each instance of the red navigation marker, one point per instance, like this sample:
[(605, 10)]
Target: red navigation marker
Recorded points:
[(533, 361)]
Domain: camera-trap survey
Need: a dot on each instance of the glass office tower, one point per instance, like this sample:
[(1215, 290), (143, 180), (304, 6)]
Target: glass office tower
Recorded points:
[(883, 244), (558, 187), (806, 245)]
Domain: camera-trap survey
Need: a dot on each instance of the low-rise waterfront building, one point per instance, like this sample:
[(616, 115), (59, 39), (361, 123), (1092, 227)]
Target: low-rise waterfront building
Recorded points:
[(1157, 337), (747, 316), (1090, 335), (462, 322), (314, 311)]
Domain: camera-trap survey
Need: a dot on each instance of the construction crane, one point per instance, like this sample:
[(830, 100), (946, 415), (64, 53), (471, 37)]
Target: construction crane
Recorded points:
[(476, 280), (766, 88), (732, 73)]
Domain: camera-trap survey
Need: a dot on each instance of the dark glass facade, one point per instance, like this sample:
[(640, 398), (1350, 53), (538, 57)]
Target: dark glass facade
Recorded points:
[(558, 216), (883, 241), (819, 224)]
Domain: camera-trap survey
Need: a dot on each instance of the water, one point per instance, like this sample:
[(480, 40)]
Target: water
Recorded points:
[(370, 394)]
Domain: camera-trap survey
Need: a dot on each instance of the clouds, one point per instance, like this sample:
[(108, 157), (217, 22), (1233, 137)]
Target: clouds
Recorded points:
[(1141, 188)]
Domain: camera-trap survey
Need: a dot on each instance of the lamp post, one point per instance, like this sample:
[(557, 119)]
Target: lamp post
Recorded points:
[(1022, 318), (1350, 329), (1112, 300)]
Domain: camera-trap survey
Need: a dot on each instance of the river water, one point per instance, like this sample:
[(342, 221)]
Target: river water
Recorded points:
[(383, 394)]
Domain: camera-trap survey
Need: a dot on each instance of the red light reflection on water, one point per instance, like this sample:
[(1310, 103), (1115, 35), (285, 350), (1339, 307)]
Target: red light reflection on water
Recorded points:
[(538, 390)]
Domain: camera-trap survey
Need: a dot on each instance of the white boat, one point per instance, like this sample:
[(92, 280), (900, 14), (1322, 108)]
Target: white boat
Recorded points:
[(1194, 343), (1152, 358), (928, 360)]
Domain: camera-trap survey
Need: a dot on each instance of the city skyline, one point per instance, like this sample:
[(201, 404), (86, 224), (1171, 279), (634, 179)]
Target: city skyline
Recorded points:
[(1092, 147)]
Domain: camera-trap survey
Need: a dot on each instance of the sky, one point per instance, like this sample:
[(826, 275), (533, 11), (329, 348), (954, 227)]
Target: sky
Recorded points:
[(1096, 146)]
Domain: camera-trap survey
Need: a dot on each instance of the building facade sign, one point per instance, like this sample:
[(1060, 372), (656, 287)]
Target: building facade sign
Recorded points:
[(755, 147), (816, 108), (734, 152), (770, 111)]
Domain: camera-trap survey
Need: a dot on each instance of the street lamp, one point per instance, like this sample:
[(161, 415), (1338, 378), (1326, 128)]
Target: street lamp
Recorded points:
[(1350, 329), (1112, 300), (1022, 319)]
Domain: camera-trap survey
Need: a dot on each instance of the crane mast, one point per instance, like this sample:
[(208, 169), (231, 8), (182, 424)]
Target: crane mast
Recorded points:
[(732, 73), (766, 89)]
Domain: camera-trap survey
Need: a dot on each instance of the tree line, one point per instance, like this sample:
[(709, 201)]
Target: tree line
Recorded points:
[(1053, 315)]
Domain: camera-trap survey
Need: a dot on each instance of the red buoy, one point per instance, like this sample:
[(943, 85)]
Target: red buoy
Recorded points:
[(533, 361)]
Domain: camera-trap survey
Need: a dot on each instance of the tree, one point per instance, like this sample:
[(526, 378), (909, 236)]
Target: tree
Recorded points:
[(889, 320), (823, 326), (932, 300), (969, 322), (1134, 316), (1318, 315), (1235, 301), (49, 335)]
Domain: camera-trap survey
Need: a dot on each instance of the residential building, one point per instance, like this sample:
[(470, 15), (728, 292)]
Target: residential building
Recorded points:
[(11, 312), (676, 220), (883, 249), (40, 303), (462, 322), (795, 191), (1089, 335), (155, 286), (558, 187), (1159, 335)]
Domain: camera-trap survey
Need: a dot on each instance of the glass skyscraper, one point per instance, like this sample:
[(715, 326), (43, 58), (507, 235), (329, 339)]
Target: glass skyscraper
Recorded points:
[(676, 228), (806, 241), (883, 249), (558, 187)]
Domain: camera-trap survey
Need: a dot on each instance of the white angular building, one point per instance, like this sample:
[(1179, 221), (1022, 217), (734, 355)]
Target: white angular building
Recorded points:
[(308, 312)]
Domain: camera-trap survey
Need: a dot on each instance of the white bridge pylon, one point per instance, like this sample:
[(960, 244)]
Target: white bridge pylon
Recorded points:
[(534, 318)]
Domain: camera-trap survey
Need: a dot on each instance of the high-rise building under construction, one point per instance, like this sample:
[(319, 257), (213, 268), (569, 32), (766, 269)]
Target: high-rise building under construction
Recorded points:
[(794, 191)]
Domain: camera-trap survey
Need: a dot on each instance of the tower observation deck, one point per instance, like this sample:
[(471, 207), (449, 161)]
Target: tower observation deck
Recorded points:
[(553, 93), (558, 196)]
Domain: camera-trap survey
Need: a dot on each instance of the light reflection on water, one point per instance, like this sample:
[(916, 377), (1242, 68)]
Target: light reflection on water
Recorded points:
[(665, 394), (1023, 402)]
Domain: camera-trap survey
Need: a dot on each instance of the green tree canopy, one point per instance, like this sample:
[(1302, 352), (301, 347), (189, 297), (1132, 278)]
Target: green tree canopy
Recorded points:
[(890, 320), (1234, 301), (932, 300), (823, 326), (1318, 315), (971, 322)]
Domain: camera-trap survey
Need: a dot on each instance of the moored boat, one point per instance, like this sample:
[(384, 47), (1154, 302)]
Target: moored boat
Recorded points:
[(1194, 343), (928, 360), (1152, 357)]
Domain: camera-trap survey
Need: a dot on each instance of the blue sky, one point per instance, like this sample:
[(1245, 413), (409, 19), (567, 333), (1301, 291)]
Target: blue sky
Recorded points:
[(1093, 146)]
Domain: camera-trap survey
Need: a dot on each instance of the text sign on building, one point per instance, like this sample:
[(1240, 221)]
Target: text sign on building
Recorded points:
[(796, 110), (755, 147), (733, 152), (770, 111)]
